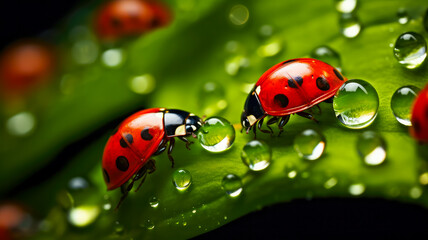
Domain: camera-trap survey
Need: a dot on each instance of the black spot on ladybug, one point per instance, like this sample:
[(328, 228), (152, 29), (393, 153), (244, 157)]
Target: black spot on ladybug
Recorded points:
[(145, 134), (322, 84), (123, 143), (338, 75), (281, 100), (288, 61), (122, 163), (106, 176), (292, 82), (129, 138), (116, 23)]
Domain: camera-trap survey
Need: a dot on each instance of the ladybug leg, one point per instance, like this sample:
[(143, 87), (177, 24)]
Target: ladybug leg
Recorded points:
[(161, 148), (150, 167), (259, 126), (307, 115), (188, 143), (281, 124), (171, 146), (254, 131)]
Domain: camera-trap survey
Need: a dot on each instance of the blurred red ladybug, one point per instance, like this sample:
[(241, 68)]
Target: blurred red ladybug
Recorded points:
[(419, 129), (24, 66), (287, 88), (124, 18), (139, 137), (16, 221)]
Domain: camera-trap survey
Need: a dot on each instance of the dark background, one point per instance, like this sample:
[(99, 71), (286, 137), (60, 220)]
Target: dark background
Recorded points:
[(349, 218)]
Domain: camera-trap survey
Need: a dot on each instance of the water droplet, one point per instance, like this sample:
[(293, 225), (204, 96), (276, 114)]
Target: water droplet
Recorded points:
[(182, 179), (154, 202), (184, 224), (256, 155), (270, 47), (142, 84), (21, 124), (410, 50), (328, 55), (118, 228), (356, 104), (149, 224), (309, 144), (112, 57), (350, 25), (372, 148), (401, 103), (402, 15), (83, 215), (84, 51), (356, 189), (239, 14), (216, 134), (292, 174), (346, 6), (232, 184), (423, 178), (225, 217), (415, 192), (331, 182), (234, 63), (266, 30), (212, 98), (78, 183), (194, 211)]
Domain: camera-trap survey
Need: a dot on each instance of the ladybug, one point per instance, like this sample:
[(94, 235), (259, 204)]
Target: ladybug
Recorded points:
[(124, 18), (127, 154), (419, 119), (289, 87)]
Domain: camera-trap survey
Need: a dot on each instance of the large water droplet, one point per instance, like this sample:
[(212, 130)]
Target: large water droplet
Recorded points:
[(182, 179), (309, 144), (372, 148), (212, 98), (112, 57), (216, 134), (356, 104), (232, 184), (328, 55), (239, 14), (154, 202), (256, 155), (83, 215), (350, 25), (401, 103), (356, 189), (142, 84), (21, 124), (410, 50), (346, 6), (403, 16)]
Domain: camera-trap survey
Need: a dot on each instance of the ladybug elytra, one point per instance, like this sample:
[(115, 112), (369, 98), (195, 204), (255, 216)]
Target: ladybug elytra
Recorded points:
[(419, 119)]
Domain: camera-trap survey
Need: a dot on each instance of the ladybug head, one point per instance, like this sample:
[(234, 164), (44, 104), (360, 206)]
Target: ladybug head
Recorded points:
[(252, 112), (193, 123)]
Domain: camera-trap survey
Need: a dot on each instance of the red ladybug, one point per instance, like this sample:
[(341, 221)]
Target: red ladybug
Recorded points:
[(289, 87), (140, 136), (124, 18), (419, 129)]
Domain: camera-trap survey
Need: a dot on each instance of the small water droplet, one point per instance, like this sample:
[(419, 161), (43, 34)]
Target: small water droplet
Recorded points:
[(84, 51), (225, 217), (266, 30), (292, 174), (182, 179), (328, 55), (356, 104), (21, 124), (309, 144), (78, 184), (149, 224), (410, 50), (232, 184), (346, 6), (331, 182), (194, 211), (403, 16), (256, 155), (212, 98), (118, 228), (184, 224), (142, 84), (216, 134), (235, 63), (372, 148), (270, 47), (415, 192), (350, 26), (112, 57), (356, 189), (239, 14), (423, 178), (107, 203), (401, 103), (84, 215), (199, 226), (154, 202)]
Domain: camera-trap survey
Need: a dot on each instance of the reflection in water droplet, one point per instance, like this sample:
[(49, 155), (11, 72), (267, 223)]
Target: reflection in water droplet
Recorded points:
[(401, 103), (328, 55), (84, 51), (239, 14), (212, 98), (356, 104), (423, 178), (112, 57), (410, 50), (142, 84), (415, 192), (372, 148), (154, 202), (309, 144), (350, 26), (83, 215), (331, 182), (402, 15), (356, 189), (346, 6), (216, 134), (270, 47), (232, 184), (21, 124), (182, 179), (256, 155)]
